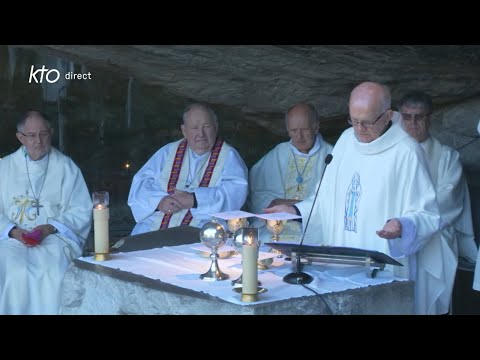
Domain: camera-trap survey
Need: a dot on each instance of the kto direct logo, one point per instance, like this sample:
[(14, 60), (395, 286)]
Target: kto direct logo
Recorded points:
[(52, 75)]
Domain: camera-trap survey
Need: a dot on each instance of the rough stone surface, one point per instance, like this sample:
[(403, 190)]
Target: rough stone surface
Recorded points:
[(249, 87), (262, 81), (90, 289)]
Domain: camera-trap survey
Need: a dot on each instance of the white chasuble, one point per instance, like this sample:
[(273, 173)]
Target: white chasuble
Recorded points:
[(455, 210), (185, 173), (367, 184), (227, 189), (286, 173), (31, 277)]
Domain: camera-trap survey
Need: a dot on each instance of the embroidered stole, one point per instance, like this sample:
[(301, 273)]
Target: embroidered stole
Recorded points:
[(175, 173)]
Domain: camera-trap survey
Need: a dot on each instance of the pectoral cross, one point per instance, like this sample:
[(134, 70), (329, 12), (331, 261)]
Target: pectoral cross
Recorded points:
[(36, 204)]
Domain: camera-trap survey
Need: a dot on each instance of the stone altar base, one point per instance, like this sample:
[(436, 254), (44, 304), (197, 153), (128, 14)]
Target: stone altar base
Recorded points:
[(89, 288)]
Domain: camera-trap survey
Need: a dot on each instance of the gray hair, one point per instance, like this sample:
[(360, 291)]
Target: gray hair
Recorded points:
[(32, 113), (313, 117), (415, 98), (203, 106)]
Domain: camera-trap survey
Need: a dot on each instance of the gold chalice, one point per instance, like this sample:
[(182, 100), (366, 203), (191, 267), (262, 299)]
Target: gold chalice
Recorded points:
[(276, 227), (235, 224)]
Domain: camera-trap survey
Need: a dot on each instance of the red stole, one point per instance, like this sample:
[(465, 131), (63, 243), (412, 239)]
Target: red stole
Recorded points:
[(175, 174)]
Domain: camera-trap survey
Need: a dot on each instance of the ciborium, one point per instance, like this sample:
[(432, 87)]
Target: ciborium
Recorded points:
[(213, 236)]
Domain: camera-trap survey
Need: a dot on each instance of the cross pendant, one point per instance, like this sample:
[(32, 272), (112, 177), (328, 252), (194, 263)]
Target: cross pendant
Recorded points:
[(36, 204)]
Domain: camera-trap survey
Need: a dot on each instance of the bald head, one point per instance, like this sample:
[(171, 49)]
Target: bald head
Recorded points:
[(302, 126), (369, 108), (200, 127), (371, 95)]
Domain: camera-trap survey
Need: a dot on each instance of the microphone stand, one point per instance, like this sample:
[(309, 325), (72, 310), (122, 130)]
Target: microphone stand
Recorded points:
[(299, 277)]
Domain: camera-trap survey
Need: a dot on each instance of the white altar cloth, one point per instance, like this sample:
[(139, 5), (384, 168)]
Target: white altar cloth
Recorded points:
[(182, 265)]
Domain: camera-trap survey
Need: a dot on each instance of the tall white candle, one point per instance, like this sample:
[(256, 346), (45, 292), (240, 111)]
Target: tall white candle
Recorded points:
[(101, 215), (249, 267)]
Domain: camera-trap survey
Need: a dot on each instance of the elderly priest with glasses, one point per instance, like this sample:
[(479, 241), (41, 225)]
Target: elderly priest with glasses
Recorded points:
[(456, 228), (377, 194), (45, 217), (187, 180)]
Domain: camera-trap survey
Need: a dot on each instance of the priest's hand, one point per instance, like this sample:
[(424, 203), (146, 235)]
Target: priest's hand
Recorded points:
[(169, 205), (185, 198), (391, 230), (16, 233), (276, 202), (45, 230), (280, 208)]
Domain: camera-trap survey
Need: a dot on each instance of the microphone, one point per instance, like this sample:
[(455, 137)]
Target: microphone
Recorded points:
[(299, 277)]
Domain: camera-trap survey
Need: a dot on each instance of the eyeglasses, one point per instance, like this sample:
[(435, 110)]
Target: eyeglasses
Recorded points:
[(365, 124), (44, 135), (414, 117)]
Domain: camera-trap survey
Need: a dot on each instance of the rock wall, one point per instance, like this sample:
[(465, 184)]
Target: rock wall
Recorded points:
[(133, 101)]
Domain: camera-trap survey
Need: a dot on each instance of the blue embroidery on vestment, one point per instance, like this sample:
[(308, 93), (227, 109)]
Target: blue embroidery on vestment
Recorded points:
[(352, 201)]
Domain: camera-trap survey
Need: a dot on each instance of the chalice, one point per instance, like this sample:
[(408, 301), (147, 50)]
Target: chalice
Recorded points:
[(233, 225), (276, 227), (213, 236)]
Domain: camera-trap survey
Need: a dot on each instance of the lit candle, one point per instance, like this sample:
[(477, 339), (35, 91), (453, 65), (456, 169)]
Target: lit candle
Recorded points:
[(101, 214), (249, 267)]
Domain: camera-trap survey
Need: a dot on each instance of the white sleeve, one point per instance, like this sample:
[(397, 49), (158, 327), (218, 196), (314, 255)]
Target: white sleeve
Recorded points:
[(230, 191), (146, 191)]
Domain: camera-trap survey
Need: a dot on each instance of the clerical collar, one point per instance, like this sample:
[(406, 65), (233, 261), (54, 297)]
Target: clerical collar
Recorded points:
[(316, 146)]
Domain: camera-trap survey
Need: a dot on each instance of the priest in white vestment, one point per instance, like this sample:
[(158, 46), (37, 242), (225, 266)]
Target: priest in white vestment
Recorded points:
[(451, 187), (187, 180), (42, 192), (476, 279), (377, 194), (289, 172)]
